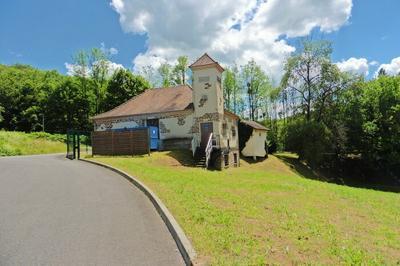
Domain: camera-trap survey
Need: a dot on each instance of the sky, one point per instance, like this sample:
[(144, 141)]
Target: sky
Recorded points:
[(47, 33)]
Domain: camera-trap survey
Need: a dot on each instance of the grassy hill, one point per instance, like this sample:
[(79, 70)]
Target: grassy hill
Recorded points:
[(267, 213), (20, 143)]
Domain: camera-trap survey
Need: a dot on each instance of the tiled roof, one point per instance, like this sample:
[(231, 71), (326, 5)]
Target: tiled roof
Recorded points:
[(152, 101), (226, 112), (253, 124), (206, 60)]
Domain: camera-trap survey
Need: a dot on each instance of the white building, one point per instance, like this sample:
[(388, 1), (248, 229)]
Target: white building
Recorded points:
[(184, 116)]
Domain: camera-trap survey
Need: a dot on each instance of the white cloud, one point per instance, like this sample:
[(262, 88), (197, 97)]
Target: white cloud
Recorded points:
[(353, 65), (113, 51), (108, 51), (393, 68), (112, 67), (230, 32), (73, 69), (373, 63)]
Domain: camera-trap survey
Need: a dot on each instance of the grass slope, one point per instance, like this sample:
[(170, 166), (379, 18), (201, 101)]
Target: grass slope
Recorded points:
[(20, 143), (265, 213)]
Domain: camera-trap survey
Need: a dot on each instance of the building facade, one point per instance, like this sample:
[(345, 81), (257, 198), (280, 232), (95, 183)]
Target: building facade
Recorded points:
[(185, 117)]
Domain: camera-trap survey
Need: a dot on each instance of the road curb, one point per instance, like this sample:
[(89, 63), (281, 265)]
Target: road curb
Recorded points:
[(32, 155), (185, 247)]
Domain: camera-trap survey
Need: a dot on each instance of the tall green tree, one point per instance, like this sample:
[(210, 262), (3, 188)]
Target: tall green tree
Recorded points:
[(382, 72), (165, 72), (67, 107), (150, 74), (93, 64), (122, 86), (257, 85), (304, 72), (231, 85), (180, 70)]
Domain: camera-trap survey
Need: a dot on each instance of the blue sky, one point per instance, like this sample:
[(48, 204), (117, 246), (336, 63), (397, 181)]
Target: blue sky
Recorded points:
[(46, 33)]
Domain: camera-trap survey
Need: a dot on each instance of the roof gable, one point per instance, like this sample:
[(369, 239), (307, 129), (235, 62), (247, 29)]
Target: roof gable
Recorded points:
[(206, 61), (151, 101)]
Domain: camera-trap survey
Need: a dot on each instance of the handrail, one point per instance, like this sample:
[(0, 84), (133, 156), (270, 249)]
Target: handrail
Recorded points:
[(194, 145), (209, 149)]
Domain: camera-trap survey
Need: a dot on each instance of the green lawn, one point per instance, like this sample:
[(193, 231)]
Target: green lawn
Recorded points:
[(265, 213), (20, 143)]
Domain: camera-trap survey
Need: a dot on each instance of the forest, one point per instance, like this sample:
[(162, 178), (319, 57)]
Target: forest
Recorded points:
[(324, 115)]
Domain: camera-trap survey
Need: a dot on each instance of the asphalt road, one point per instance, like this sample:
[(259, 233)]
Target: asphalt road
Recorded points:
[(54, 211)]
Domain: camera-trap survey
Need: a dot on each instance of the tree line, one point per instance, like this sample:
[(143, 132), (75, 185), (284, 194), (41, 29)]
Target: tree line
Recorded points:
[(322, 114), (317, 111), (37, 100)]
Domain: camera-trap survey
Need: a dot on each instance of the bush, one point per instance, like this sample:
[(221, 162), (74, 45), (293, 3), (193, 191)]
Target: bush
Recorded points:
[(312, 141), (48, 136)]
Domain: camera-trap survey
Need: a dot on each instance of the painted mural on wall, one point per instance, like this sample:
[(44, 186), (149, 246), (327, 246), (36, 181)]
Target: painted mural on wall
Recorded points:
[(163, 128), (203, 100), (204, 118), (181, 121), (135, 121)]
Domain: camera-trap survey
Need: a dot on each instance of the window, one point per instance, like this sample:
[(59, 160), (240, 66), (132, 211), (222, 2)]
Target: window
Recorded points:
[(235, 159), (219, 79), (204, 79), (226, 159), (233, 131), (224, 129)]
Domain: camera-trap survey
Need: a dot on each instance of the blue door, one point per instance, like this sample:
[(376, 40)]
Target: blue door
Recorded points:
[(153, 138)]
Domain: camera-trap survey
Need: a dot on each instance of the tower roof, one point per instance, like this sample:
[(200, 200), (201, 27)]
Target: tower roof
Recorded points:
[(206, 61)]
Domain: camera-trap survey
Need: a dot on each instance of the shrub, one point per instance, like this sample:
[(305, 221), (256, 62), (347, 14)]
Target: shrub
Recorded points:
[(48, 136)]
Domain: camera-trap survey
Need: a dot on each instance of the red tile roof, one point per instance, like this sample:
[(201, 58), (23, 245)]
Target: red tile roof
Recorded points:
[(159, 100)]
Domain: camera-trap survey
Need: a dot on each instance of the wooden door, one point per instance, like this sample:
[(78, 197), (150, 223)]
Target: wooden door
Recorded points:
[(205, 129)]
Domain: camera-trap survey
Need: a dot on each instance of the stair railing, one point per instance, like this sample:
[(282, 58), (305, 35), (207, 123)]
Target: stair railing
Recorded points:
[(194, 145), (209, 149)]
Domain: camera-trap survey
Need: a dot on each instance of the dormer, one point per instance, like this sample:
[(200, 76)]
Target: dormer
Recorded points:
[(207, 88)]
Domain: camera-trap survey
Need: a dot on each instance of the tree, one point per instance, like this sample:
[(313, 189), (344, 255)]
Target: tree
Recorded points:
[(382, 72), (122, 86), (231, 88), (150, 74), (23, 93), (67, 107), (165, 72), (94, 64), (257, 84), (180, 70), (304, 72), (1, 113)]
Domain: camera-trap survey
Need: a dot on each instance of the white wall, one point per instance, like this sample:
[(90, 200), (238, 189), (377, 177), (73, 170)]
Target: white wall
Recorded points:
[(213, 93), (177, 125), (255, 146), (174, 128), (233, 140)]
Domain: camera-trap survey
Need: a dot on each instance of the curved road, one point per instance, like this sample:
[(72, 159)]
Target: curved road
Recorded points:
[(54, 211)]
